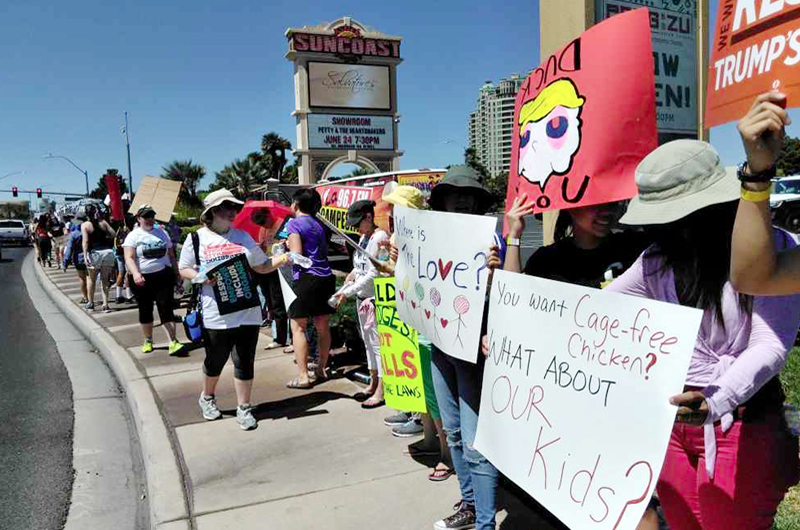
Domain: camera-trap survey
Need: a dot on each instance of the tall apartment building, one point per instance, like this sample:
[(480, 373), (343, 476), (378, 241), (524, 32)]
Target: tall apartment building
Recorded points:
[(492, 123)]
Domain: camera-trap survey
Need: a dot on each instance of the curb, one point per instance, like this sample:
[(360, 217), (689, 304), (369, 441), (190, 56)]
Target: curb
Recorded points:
[(165, 483)]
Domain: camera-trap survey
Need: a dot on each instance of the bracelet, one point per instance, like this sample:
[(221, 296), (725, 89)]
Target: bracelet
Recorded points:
[(756, 196), (512, 241)]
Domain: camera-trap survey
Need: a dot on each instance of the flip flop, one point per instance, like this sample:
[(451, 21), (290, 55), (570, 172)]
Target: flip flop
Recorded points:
[(297, 385), (373, 405), (288, 349), (361, 396), (440, 475)]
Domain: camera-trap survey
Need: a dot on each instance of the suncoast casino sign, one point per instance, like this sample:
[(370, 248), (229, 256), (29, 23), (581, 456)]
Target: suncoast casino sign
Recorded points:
[(346, 40)]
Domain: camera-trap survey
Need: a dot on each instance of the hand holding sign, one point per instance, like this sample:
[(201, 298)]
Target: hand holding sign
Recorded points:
[(762, 130)]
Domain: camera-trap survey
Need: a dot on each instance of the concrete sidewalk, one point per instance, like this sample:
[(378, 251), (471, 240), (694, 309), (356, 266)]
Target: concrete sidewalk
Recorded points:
[(316, 460)]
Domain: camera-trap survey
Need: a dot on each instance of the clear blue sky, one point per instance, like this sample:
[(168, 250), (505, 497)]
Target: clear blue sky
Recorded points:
[(204, 80)]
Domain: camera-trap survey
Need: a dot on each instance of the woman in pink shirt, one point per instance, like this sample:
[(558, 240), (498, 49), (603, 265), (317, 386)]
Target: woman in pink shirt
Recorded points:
[(731, 456)]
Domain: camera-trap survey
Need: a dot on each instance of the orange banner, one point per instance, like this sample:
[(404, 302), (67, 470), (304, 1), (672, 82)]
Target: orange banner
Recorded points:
[(756, 49)]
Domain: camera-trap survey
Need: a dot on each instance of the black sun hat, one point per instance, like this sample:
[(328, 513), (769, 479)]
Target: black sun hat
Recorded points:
[(461, 178), (358, 211)]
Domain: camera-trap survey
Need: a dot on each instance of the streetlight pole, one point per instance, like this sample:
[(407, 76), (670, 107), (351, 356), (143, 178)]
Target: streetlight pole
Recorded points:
[(128, 144), (85, 173), (12, 173)]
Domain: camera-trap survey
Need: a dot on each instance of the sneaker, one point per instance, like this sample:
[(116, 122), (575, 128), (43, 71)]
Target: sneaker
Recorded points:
[(106, 309), (245, 418), (121, 300), (208, 404), (395, 420), (175, 347), (463, 519), (412, 427), (147, 347), (90, 306)]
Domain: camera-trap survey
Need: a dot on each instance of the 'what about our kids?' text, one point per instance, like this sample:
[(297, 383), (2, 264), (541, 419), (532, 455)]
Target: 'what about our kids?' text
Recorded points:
[(442, 275), (575, 405)]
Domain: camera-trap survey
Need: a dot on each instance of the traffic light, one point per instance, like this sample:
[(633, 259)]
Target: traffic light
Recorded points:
[(38, 193), (15, 191)]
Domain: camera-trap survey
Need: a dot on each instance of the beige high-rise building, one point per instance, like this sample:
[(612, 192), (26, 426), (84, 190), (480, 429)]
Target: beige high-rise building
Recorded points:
[(492, 123)]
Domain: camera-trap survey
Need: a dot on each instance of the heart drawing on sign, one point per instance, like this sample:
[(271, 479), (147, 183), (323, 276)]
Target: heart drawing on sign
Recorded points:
[(427, 314), (402, 295), (444, 270), (445, 322), (413, 304)]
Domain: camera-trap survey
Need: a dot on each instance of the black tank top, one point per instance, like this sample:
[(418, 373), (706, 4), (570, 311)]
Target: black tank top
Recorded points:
[(99, 239)]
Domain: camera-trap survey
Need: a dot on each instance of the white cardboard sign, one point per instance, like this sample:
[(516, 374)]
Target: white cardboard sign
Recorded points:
[(442, 276), (288, 293), (575, 404)]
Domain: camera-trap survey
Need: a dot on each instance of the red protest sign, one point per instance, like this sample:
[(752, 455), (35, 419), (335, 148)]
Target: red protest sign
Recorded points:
[(756, 49), (586, 117)]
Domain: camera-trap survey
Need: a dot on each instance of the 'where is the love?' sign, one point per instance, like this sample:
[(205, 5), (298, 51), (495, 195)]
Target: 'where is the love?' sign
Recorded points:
[(442, 275), (575, 405)]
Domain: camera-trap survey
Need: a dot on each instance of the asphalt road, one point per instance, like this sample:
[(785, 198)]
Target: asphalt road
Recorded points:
[(36, 411)]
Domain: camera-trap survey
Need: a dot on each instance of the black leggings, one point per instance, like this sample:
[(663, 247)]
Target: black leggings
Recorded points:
[(158, 287), (237, 343)]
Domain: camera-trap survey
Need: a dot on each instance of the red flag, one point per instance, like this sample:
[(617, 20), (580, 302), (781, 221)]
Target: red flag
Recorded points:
[(115, 197), (586, 117)]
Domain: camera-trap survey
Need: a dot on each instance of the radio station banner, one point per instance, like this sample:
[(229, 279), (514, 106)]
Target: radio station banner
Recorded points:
[(575, 404), (353, 86), (403, 388), (442, 276), (234, 288), (756, 48), (585, 118), (343, 131), (673, 27), (337, 199)]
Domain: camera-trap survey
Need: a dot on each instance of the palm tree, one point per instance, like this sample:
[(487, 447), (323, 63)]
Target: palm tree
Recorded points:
[(189, 174), (274, 148), (241, 175)]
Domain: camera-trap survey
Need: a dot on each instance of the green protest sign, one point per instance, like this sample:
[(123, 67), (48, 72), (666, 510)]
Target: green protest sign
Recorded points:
[(402, 373)]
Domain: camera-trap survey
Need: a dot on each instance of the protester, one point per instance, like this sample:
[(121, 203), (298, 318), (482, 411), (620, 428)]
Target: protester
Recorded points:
[(360, 284), (124, 228), (234, 334), (44, 241), (57, 231), (150, 260), (73, 254), (98, 253), (731, 457), (313, 286), (585, 252), (458, 383)]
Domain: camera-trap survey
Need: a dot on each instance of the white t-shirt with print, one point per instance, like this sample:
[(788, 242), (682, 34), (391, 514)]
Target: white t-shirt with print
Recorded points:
[(364, 271), (215, 249), (152, 249)]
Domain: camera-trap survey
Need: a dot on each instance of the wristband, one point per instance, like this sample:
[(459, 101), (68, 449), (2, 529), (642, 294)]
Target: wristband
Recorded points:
[(744, 175), (756, 196), (512, 241)]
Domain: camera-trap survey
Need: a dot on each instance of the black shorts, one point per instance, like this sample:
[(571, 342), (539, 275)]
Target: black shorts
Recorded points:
[(313, 293)]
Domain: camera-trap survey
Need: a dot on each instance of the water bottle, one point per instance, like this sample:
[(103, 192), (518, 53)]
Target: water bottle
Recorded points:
[(299, 259), (278, 248), (383, 253), (201, 276)]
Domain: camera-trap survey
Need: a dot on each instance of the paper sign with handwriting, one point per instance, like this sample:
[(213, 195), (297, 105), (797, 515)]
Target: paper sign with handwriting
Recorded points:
[(575, 405), (442, 275), (402, 372)]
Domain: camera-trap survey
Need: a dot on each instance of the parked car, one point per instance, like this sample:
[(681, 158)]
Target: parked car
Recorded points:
[(14, 231), (785, 203)]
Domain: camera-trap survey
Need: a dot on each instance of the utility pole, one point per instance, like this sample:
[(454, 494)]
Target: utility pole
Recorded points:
[(128, 144)]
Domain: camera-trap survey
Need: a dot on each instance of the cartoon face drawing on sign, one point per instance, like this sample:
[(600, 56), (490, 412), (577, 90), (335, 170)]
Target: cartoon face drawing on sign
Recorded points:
[(550, 132)]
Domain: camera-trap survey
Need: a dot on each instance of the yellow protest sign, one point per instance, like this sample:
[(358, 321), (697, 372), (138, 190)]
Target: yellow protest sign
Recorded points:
[(403, 388)]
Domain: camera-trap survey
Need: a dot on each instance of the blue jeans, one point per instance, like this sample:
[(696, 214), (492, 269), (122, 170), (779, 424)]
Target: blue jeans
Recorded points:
[(458, 393)]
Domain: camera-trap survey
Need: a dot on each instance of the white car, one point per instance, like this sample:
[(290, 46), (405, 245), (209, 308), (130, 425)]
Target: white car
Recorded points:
[(785, 203), (14, 231)]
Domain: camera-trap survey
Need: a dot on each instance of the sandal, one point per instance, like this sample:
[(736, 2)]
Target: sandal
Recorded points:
[(272, 345), (299, 385), (373, 404), (440, 475), (362, 396), (288, 349)]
